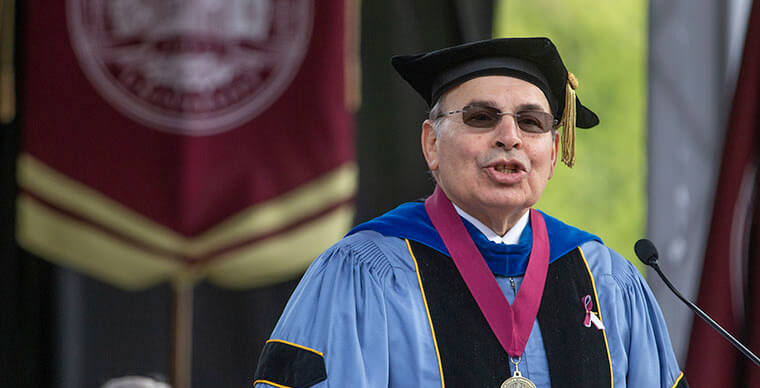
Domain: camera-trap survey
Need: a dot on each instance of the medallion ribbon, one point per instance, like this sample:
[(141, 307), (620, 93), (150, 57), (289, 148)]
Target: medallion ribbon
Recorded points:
[(511, 324)]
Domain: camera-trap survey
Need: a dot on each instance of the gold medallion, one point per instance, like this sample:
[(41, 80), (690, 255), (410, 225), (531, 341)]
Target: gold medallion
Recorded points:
[(517, 381)]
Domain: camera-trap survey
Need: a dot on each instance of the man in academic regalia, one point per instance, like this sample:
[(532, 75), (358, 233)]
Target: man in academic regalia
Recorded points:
[(473, 287)]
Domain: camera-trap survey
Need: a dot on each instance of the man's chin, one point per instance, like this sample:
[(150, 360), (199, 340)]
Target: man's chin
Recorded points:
[(505, 208), (509, 200)]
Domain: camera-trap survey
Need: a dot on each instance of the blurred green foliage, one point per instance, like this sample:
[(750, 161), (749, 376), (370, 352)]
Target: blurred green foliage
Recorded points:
[(603, 42)]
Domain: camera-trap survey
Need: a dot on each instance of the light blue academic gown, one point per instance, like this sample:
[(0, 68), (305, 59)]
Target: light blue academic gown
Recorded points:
[(360, 305)]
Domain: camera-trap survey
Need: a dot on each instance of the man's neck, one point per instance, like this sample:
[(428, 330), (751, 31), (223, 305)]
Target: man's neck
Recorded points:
[(512, 236)]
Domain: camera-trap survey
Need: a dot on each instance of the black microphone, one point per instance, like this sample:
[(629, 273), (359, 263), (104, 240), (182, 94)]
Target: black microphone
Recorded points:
[(647, 253)]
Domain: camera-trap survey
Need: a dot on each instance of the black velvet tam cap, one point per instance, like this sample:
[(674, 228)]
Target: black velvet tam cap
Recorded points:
[(534, 60)]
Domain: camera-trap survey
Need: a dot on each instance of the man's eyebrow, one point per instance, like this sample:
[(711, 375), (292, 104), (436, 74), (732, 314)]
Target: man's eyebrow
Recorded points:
[(488, 103), (524, 107)]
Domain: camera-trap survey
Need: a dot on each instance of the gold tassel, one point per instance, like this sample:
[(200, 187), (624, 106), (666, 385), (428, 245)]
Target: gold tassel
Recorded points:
[(568, 122)]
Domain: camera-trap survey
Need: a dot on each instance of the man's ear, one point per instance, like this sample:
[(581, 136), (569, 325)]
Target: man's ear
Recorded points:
[(555, 153), (429, 144)]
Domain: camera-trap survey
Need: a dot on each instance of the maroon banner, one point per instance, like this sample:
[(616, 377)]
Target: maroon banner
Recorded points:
[(730, 285), (162, 137)]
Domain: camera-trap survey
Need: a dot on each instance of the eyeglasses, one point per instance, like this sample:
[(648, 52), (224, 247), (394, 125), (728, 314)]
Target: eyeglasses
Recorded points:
[(479, 116)]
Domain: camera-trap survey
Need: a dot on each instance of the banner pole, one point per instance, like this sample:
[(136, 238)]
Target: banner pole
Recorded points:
[(182, 357), (7, 73)]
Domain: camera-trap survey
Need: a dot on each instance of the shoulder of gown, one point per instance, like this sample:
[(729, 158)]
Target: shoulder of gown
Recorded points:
[(637, 337), (357, 302)]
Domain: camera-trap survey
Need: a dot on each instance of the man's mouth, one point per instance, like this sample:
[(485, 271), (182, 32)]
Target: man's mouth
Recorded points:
[(506, 169)]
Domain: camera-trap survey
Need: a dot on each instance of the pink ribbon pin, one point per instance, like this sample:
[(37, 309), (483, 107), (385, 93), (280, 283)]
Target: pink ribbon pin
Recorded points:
[(591, 316)]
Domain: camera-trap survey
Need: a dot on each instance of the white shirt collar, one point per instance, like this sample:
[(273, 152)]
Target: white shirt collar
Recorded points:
[(511, 237)]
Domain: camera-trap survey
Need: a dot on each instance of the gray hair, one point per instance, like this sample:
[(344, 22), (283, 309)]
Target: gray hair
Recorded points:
[(436, 115)]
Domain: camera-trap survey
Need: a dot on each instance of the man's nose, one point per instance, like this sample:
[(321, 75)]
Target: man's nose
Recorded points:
[(507, 133)]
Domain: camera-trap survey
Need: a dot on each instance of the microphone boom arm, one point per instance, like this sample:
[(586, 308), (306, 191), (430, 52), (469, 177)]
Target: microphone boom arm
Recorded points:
[(738, 345)]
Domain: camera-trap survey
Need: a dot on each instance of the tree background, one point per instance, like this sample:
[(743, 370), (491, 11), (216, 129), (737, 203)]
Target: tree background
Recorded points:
[(604, 44)]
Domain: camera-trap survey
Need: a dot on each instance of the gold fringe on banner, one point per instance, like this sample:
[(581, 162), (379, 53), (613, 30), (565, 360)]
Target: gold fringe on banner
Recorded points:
[(568, 121), (7, 74)]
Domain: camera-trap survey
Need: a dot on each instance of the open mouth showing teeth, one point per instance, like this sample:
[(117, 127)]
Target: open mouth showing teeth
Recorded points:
[(506, 169)]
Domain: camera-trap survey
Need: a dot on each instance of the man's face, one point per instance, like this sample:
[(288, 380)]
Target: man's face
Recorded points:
[(494, 174)]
